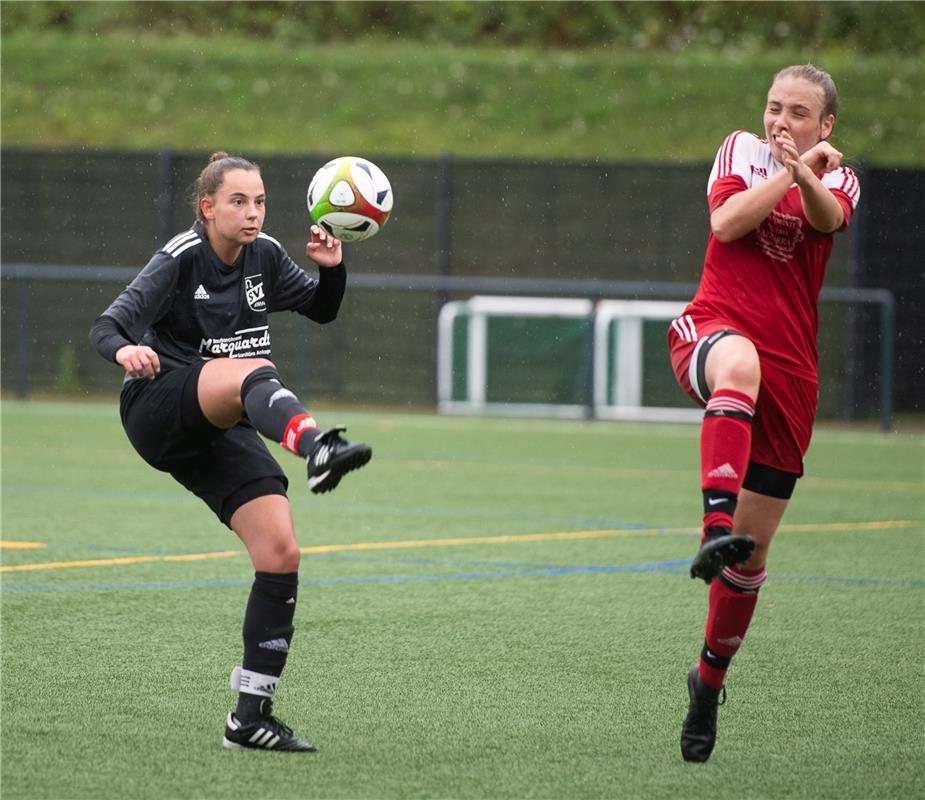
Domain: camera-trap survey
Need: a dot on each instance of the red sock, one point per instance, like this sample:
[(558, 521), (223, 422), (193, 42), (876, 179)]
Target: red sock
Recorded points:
[(292, 436), (733, 597), (725, 446)]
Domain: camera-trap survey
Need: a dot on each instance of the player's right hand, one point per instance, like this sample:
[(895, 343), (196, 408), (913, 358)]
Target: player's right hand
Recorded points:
[(139, 361), (323, 248), (800, 166)]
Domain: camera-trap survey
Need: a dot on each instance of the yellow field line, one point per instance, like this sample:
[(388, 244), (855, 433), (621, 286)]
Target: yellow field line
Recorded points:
[(507, 539), (122, 561), (611, 533)]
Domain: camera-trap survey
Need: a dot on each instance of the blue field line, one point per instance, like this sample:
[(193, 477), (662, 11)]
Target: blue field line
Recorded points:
[(551, 571), (678, 568), (466, 562), (900, 583), (910, 583)]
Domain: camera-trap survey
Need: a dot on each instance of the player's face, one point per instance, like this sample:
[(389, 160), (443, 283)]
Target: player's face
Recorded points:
[(795, 105), (238, 207)]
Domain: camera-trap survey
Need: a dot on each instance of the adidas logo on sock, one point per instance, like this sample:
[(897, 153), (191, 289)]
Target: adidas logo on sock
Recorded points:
[(725, 471), (201, 293), (279, 394), (280, 645)]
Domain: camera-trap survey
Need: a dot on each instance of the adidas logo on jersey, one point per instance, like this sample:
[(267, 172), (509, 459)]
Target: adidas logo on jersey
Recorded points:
[(725, 471), (201, 293)]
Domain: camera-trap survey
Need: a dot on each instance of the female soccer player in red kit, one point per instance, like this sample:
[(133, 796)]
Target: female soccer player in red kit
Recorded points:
[(745, 350)]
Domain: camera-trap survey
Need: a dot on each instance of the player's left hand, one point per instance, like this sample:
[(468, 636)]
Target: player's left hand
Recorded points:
[(822, 157), (325, 250)]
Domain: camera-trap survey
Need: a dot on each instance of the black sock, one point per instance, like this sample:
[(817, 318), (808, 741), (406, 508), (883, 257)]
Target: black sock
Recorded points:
[(250, 707), (267, 632), (276, 412)]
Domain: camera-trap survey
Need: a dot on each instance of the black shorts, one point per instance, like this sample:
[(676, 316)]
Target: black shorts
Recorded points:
[(165, 424)]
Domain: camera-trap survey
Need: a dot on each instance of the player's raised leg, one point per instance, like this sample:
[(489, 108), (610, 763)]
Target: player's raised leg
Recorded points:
[(732, 374), (229, 388)]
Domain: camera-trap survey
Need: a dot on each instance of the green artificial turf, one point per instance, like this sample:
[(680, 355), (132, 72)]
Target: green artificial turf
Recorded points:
[(541, 651)]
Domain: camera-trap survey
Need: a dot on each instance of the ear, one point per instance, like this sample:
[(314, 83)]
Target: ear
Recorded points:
[(207, 207), (828, 122)]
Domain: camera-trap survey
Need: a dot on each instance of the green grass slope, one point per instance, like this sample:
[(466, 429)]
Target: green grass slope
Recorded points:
[(124, 91)]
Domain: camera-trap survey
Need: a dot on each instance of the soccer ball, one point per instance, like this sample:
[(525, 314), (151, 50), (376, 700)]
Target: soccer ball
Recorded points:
[(350, 198)]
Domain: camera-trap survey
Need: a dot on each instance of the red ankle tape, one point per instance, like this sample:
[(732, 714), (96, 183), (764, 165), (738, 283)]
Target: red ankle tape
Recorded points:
[(294, 430)]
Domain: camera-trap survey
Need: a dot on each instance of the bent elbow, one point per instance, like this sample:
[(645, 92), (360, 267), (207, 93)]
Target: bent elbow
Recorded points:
[(728, 229), (828, 225), (721, 232), (836, 223)]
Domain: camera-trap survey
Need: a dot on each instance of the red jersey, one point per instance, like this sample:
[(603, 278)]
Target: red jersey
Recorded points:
[(766, 284)]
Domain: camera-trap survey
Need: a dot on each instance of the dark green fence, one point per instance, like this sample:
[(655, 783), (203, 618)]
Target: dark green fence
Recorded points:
[(566, 224)]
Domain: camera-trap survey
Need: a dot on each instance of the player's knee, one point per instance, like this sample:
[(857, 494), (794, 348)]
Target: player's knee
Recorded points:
[(284, 557), (740, 371), (292, 560), (759, 557)]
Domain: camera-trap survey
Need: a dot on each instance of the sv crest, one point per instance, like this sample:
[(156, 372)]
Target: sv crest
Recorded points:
[(253, 290)]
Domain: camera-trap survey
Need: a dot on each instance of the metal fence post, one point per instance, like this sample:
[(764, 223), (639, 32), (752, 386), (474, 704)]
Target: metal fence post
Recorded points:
[(165, 197), (887, 334), (589, 362), (443, 236), (24, 297)]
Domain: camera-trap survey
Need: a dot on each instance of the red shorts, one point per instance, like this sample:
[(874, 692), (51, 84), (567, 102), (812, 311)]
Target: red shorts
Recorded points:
[(786, 407)]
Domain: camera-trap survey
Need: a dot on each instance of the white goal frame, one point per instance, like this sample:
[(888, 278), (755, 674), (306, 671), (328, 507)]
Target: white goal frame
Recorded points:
[(617, 327)]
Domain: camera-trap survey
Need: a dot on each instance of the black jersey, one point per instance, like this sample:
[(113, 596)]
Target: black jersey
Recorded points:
[(187, 304)]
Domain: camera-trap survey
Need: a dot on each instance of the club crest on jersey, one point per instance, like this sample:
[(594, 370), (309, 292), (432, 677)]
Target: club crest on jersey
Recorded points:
[(779, 235), (253, 290)]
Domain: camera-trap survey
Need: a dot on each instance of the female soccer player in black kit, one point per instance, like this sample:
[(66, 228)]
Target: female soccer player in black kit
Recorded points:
[(191, 333)]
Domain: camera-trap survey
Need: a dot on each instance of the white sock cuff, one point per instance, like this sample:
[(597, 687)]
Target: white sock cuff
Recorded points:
[(244, 680), (745, 583)]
